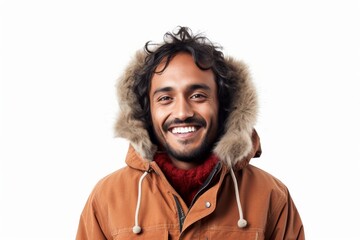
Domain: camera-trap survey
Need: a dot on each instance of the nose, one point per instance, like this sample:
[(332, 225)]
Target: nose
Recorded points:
[(182, 109)]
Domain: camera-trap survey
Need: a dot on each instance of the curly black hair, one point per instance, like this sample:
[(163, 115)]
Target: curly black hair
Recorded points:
[(206, 56)]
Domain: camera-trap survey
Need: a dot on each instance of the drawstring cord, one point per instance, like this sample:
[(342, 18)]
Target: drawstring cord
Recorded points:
[(242, 222), (137, 228)]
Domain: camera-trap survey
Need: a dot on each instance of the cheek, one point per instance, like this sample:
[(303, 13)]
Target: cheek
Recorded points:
[(158, 117), (212, 117), (211, 112)]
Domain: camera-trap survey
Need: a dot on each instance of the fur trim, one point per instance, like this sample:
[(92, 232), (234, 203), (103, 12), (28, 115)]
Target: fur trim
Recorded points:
[(234, 145), (236, 142), (126, 125)]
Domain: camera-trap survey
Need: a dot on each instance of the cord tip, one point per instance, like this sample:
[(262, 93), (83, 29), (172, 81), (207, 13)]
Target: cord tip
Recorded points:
[(136, 229), (242, 223)]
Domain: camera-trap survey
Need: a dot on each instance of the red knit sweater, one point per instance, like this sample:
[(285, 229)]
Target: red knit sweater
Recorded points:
[(186, 182)]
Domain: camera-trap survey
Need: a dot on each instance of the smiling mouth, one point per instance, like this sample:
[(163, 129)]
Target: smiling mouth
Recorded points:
[(183, 130)]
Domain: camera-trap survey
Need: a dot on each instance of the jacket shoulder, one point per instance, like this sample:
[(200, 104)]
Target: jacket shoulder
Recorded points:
[(284, 221), (114, 181), (263, 181)]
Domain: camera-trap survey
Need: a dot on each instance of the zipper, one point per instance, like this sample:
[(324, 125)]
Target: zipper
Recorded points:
[(206, 183), (180, 210)]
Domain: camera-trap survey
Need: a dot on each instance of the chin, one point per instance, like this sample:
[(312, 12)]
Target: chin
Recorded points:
[(196, 155)]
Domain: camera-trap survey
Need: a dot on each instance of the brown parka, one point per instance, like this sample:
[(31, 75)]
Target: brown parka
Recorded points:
[(238, 200)]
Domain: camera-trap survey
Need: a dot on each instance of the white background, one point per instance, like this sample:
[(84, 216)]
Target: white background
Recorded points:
[(59, 65)]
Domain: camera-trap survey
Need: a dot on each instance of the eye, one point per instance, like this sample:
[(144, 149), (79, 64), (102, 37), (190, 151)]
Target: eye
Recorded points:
[(164, 99), (198, 96)]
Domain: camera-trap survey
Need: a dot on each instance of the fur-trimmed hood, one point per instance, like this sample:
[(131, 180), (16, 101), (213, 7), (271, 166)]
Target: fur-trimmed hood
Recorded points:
[(237, 142)]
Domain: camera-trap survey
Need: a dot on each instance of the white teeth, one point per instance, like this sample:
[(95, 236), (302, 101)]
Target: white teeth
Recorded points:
[(183, 129)]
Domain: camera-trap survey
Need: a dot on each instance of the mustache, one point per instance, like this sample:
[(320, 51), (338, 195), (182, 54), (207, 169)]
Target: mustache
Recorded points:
[(191, 120)]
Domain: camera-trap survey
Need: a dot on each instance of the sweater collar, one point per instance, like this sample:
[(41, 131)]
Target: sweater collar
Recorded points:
[(186, 182)]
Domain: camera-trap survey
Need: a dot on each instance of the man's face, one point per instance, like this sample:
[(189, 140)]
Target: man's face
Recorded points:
[(184, 109)]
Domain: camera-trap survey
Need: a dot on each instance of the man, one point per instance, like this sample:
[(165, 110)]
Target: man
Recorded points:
[(189, 114)]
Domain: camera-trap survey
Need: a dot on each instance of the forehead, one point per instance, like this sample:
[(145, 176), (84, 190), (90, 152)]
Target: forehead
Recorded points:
[(182, 72)]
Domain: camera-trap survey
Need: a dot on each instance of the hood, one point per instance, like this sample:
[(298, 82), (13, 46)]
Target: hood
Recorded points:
[(237, 142)]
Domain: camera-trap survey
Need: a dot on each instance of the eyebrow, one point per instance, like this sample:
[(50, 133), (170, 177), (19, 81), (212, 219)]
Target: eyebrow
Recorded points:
[(190, 88), (164, 89), (199, 86)]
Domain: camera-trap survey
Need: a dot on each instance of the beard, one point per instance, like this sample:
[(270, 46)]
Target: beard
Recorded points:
[(196, 155)]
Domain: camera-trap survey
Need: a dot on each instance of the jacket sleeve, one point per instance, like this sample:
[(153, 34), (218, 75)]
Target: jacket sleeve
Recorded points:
[(89, 226), (285, 221)]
